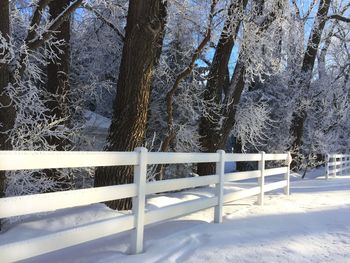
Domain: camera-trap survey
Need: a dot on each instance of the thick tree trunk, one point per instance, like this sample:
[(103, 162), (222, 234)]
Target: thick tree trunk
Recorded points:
[(297, 128), (57, 87), (159, 45), (145, 25), (7, 110)]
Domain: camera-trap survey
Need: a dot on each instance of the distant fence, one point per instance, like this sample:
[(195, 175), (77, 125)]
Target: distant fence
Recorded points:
[(337, 164), (140, 158)]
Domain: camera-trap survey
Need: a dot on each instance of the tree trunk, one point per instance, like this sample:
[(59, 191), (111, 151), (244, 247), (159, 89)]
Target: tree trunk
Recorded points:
[(57, 87), (217, 138), (145, 25), (58, 70), (7, 111), (322, 74), (298, 119), (216, 84)]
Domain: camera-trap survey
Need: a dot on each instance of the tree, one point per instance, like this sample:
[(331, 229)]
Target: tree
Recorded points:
[(144, 28), (187, 26), (214, 130), (57, 86), (22, 60), (304, 80), (7, 111), (171, 131), (324, 101), (217, 83)]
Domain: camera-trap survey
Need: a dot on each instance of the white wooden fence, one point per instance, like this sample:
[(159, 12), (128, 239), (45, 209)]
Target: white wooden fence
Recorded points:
[(337, 164), (140, 158)]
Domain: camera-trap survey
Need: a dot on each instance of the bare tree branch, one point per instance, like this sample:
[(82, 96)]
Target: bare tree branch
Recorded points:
[(340, 18)]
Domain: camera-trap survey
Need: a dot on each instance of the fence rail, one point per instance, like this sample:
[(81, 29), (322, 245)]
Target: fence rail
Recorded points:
[(337, 164), (140, 159)]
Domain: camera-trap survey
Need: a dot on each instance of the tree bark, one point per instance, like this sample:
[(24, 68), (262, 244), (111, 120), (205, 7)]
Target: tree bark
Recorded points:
[(145, 26), (7, 110)]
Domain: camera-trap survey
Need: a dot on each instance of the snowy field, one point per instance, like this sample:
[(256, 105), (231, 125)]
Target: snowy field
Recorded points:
[(311, 225)]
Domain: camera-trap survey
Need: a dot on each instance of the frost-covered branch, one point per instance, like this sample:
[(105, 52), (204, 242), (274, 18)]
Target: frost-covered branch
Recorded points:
[(105, 20)]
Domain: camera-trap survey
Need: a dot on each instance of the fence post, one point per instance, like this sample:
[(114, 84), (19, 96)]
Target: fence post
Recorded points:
[(331, 170), (327, 166), (335, 166), (287, 175), (261, 179), (138, 202), (220, 171)]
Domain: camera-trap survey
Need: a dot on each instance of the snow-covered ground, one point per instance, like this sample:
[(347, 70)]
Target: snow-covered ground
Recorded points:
[(311, 225)]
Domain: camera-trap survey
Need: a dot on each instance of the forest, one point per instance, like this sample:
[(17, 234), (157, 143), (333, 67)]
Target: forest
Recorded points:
[(173, 76)]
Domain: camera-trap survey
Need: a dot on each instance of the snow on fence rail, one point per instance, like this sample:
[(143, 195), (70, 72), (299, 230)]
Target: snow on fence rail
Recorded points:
[(140, 158), (337, 164)]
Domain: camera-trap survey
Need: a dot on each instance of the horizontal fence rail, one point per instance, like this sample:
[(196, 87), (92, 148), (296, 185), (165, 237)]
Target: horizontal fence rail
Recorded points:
[(140, 159), (337, 164), (29, 160)]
